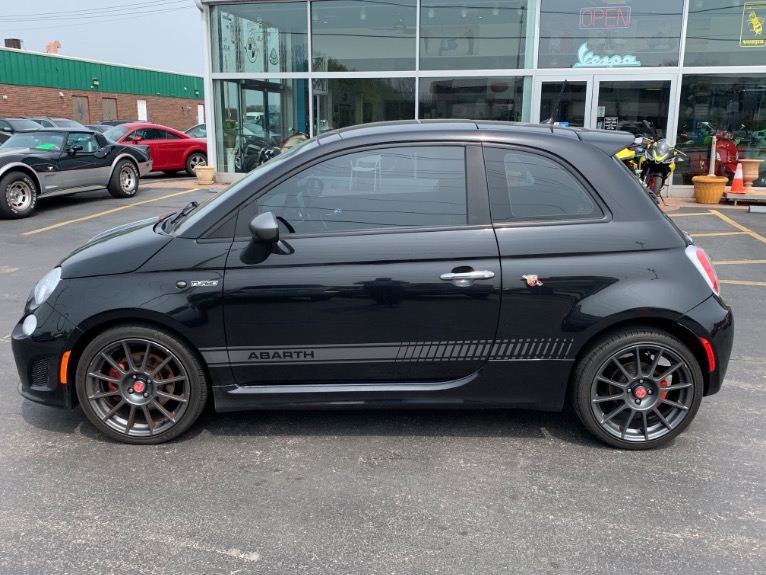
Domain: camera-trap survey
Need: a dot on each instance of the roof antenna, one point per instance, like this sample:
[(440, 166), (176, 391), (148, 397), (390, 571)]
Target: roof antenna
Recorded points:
[(552, 120)]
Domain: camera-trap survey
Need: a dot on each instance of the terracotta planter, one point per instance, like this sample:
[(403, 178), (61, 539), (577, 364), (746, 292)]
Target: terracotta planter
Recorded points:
[(205, 174), (709, 189), (750, 172)]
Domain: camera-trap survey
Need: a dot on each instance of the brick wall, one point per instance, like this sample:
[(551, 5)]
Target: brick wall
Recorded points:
[(178, 113)]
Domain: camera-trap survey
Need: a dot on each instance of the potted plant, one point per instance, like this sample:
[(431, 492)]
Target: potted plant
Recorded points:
[(709, 189)]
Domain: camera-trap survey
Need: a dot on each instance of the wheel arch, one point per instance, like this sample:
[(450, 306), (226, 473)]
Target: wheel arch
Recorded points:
[(19, 167), (685, 335), (99, 324), (124, 156)]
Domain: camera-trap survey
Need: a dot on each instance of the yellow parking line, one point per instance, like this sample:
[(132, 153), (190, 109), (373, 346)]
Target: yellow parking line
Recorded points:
[(742, 283), (738, 262), (694, 214), (719, 234), (728, 220), (68, 222)]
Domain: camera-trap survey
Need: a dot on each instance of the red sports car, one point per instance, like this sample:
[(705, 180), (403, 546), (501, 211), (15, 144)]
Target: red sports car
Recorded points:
[(171, 150)]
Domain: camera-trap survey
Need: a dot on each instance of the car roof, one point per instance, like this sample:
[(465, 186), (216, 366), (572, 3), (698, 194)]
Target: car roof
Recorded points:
[(610, 141)]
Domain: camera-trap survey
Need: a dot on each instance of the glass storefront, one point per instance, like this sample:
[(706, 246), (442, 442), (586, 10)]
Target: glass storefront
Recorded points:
[(731, 106), (282, 67)]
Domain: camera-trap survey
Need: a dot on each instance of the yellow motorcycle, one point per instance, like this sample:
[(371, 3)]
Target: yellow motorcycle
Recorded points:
[(658, 162)]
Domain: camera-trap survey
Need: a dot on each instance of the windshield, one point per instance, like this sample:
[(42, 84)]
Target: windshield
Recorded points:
[(117, 132), (210, 204), (36, 140), (24, 124)]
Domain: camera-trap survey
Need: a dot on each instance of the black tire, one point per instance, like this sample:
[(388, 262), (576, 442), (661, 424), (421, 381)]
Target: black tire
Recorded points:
[(173, 387), (195, 159), (637, 409), (18, 195), (124, 180)]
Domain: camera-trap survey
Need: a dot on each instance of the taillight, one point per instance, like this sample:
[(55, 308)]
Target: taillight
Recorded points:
[(702, 262)]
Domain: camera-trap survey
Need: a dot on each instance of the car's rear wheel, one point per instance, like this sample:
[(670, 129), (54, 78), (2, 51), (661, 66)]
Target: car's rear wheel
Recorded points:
[(18, 195), (124, 180), (637, 389), (195, 159), (139, 384)]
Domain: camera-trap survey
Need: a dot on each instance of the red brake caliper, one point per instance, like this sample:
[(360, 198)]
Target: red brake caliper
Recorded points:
[(664, 383), (113, 373)]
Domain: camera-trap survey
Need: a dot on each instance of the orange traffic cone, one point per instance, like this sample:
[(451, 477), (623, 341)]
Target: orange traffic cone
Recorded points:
[(738, 183)]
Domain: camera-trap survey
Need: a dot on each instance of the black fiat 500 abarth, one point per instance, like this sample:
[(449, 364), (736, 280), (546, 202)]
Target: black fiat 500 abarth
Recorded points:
[(411, 264)]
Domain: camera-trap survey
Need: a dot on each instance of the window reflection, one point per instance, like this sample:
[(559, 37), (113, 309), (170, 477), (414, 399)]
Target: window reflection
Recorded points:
[(364, 35), (344, 102), (725, 33), (259, 38), (473, 98), (474, 35)]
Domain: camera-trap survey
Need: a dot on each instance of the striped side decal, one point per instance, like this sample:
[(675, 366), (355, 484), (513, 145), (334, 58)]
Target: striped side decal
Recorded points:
[(520, 349)]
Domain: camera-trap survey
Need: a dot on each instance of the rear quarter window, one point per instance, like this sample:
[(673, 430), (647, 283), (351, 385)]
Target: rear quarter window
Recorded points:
[(527, 186)]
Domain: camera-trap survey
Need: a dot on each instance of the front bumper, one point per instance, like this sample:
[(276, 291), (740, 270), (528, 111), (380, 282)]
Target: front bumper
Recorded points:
[(38, 357)]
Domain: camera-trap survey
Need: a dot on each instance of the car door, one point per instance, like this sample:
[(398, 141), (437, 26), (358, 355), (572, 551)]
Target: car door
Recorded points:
[(379, 277), (79, 164), (548, 223), (150, 137), (174, 149)]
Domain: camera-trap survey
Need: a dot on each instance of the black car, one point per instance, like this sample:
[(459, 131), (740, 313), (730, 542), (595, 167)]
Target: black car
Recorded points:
[(49, 122), (9, 126), (434, 264), (57, 161)]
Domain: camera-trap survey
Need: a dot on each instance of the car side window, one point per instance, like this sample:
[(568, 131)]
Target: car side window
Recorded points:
[(419, 186), (528, 186), (87, 141), (165, 135)]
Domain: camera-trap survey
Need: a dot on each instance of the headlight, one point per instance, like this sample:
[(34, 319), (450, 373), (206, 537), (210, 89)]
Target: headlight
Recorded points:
[(46, 285)]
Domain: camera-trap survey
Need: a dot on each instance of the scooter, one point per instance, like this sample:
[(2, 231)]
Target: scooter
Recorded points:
[(726, 153)]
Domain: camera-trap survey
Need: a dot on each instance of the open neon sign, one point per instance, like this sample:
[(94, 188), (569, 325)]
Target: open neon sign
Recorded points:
[(606, 18)]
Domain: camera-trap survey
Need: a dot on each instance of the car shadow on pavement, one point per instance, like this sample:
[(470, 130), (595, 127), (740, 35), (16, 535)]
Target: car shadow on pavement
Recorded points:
[(506, 423)]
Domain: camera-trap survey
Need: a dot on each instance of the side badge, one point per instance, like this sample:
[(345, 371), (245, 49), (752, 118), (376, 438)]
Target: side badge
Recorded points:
[(532, 280), (206, 283)]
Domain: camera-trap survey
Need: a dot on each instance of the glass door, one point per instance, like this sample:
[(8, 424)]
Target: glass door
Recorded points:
[(566, 102), (623, 104)]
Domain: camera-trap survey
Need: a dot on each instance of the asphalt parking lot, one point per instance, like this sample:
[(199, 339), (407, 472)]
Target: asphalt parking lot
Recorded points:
[(389, 492)]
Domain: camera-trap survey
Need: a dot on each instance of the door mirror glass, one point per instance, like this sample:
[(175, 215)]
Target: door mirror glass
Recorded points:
[(264, 227)]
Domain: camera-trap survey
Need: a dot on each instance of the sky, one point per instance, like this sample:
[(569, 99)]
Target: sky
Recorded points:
[(159, 34)]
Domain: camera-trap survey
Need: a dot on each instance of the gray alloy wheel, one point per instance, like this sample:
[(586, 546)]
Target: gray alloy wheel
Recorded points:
[(638, 389), (139, 384), (18, 195), (124, 180), (195, 159)]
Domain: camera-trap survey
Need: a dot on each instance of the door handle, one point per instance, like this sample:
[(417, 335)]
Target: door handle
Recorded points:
[(465, 279)]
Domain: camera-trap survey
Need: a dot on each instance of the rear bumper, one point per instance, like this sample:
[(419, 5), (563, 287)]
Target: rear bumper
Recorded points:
[(38, 357), (713, 320)]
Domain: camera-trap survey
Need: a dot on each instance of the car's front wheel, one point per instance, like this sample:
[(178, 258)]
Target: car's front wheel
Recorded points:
[(637, 389), (124, 180), (195, 159), (139, 384), (18, 195)]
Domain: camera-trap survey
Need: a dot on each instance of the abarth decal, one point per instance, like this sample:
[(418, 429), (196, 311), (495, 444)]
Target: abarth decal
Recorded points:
[(532, 280), (406, 352)]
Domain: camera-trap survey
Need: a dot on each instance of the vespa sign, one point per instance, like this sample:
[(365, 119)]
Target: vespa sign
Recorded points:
[(587, 59)]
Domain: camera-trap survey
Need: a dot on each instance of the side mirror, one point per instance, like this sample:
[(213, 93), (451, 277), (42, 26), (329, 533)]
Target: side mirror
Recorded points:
[(136, 139), (75, 149), (7, 129), (264, 227)]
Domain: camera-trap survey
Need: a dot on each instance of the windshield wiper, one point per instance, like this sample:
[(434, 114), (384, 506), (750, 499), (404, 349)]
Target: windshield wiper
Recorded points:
[(171, 221)]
